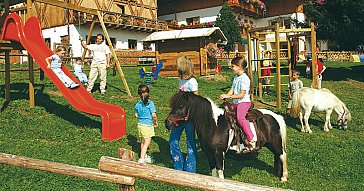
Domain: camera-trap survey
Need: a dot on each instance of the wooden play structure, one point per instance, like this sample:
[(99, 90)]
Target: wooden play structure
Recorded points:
[(188, 42), (279, 54), (123, 172), (19, 34)]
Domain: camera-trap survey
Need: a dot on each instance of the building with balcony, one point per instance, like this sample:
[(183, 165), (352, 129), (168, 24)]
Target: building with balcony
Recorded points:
[(127, 22), (182, 14)]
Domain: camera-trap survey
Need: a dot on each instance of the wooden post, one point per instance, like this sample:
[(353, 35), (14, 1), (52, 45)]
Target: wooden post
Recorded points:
[(29, 8), (175, 177), (65, 169), (113, 53), (30, 62), (88, 38), (314, 57), (278, 67), (7, 76), (126, 155), (250, 66), (289, 60), (31, 82), (260, 88)]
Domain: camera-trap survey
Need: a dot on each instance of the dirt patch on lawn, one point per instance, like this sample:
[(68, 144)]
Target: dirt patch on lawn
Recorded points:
[(56, 93), (216, 78)]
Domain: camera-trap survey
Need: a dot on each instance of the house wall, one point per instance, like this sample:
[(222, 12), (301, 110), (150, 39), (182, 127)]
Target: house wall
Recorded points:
[(121, 36), (206, 15)]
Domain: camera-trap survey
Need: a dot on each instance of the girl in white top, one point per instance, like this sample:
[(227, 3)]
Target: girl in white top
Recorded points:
[(187, 83), (240, 94)]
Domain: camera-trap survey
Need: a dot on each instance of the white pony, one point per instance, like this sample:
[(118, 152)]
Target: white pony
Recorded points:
[(307, 99)]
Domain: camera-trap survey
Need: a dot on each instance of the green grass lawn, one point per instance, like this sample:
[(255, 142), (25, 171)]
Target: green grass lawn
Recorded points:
[(55, 131)]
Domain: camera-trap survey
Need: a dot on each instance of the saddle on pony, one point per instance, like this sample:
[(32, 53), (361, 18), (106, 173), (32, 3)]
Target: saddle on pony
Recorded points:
[(252, 116)]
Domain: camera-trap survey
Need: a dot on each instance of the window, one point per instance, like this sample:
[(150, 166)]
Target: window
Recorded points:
[(193, 21), (48, 42), (147, 46), (113, 42), (92, 39), (132, 44), (64, 39), (287, 23), (122, 8)]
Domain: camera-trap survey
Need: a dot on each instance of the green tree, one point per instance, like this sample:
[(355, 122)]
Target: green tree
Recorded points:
[(341, 21), (229, 26)]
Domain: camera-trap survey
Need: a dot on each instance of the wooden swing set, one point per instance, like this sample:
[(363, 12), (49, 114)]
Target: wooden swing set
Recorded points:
[(254, 34), (6, 46)]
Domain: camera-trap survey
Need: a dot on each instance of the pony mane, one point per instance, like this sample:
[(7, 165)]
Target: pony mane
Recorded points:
[(201, 108)]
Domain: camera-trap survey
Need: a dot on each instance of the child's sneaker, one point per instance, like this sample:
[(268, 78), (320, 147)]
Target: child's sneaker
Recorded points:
[(142, 161), (74, 85), (148, 159)]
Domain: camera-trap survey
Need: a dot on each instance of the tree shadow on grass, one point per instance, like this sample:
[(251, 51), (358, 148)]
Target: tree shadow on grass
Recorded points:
[(20, 91), (342, 73)]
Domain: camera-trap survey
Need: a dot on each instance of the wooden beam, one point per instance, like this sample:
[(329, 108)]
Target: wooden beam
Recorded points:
[(250, 57), (260, 89), (107, 37), (314, 57), (88, 38), (66, 5), (171, 176), (7, 76), (59, 168), (262, 29), (278, 65), (295, 30), (31, 82)]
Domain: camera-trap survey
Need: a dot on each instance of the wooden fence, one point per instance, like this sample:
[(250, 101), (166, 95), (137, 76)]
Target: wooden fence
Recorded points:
[(123, 171)]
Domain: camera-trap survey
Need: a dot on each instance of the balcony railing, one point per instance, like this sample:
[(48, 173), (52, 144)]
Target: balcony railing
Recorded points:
[(248, 9), (123, 21)]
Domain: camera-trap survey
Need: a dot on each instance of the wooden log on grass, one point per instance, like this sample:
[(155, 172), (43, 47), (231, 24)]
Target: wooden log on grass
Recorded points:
[(65, 169), (171, 176)]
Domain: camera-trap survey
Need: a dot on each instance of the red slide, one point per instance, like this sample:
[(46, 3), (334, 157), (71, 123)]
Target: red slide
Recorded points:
[(30, 37)]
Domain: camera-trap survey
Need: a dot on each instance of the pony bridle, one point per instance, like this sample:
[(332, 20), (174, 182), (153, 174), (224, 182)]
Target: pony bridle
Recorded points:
[(341, 121), (175, 120)]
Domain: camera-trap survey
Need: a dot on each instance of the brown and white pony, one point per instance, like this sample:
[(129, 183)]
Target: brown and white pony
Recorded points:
[(214, 128)]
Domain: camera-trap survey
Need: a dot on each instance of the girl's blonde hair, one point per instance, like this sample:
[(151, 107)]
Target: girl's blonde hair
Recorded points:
[(242, 63), (60, 48), (185, 67)]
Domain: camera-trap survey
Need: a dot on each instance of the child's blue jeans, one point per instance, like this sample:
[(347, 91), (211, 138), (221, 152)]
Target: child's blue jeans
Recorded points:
[(81, 76), (179, 163)]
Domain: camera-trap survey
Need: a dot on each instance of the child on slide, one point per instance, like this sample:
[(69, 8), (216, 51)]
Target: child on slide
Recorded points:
[(54, 62), (77, 67), (240, 94)]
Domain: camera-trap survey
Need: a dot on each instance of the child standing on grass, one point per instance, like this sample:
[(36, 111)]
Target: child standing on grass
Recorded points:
[(147, 120), (294, 86), (187, 83), (54, 62), (240, 94), (77, 67)]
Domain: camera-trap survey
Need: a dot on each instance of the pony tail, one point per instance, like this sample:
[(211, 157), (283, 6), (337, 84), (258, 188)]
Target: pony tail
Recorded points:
[(145, 97), (143, 92), (295, 104)]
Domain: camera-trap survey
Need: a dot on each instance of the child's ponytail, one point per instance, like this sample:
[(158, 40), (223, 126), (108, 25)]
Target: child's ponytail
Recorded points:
[(143, 92)]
